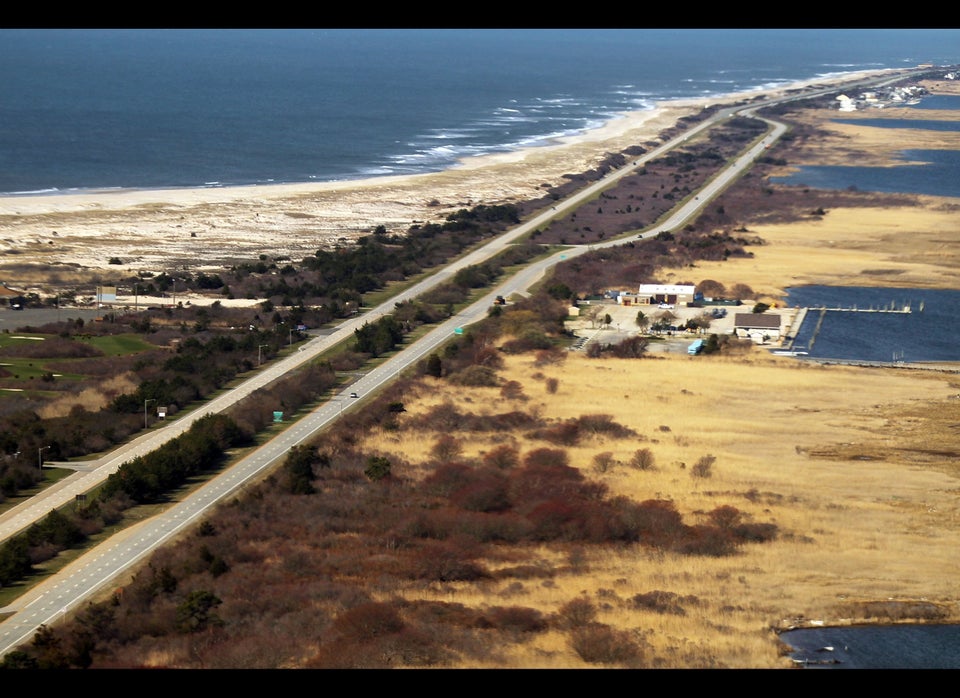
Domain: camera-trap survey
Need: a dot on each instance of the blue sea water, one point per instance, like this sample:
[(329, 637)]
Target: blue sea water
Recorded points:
[(855, 331), (877, 647), (147, 108)]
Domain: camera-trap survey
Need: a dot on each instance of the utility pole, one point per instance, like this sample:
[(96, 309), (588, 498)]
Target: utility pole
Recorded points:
[(40, 457)]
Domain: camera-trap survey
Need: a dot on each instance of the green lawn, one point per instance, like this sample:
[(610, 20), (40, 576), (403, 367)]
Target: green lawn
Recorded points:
[(27, 373)]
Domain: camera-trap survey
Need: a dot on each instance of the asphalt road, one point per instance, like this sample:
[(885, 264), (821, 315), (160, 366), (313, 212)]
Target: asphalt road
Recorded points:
[(97, 569)]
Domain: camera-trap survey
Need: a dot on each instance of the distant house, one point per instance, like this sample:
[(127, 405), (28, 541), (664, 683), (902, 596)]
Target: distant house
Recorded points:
[(846, 104), (14, 298), (759, 327)]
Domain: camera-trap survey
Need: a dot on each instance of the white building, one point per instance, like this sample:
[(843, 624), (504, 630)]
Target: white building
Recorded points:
[(665, 293)]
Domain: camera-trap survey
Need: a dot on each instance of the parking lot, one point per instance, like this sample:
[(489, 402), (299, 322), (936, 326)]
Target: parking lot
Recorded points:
[(623, 324)]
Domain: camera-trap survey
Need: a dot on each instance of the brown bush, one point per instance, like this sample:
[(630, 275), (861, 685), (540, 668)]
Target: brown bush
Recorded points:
[(661, 602), (603, 424), (577, 613), (564, 434), (756, 532), (656, 522), (486, 493), (551, 356), (549, 457), (514, 619), (707, 540), (602, 462), (703, 467), (601, 644), (475, 376), (446, 447), (368, 621), (503, 456), (447, 562), (642, 459)]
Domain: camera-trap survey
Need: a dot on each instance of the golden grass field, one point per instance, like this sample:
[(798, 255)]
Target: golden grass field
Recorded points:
[(839, 458)]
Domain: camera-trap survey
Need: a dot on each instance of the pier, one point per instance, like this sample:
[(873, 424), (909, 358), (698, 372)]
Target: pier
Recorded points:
[(822, 311)]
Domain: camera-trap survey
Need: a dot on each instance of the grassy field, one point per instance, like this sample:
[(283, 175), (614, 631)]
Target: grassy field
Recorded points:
[(838, 458)]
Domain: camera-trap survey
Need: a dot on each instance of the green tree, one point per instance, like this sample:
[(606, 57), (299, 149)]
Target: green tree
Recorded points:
[(197, 611), (643, 322), (378, 468), (298, 466), (434, 366), (14, 560)]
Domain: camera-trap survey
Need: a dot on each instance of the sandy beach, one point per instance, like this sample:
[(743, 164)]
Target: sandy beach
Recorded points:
[(68, 238)]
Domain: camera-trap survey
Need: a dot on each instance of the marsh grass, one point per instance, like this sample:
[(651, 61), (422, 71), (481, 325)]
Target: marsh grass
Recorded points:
[(785, 436)]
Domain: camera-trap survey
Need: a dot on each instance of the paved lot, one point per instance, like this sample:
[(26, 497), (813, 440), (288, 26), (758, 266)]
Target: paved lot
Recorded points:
[(11, 320), (624, 324)]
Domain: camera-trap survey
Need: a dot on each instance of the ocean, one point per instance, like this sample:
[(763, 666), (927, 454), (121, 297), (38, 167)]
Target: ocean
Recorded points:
[(94, 109)]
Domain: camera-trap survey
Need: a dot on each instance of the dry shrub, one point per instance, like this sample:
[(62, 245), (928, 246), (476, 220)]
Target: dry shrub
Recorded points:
[(514, 619), (707, 540), (662, 602), (475, 376), (512, 390), (445, 523), (503, 457), (546, 457), (447, 562), (603, 424), (642, 459), (446, 447), (602, 462), (552, 384), (756, 532), (486, 493), (564, 434), (447, 478), (551, 356), (577, 613), (630, 348), (703, 467), (896, 610), (656, 521), (446, 613), (601, 644), (525, 572), (368, 621)]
